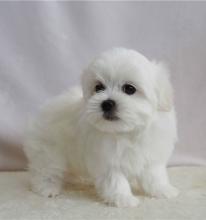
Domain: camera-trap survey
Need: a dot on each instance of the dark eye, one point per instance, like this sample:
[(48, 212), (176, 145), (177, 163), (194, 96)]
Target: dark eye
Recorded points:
[(128, 89), (99, 87)]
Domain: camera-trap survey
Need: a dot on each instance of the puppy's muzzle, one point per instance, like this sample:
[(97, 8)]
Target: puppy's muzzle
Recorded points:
[(109, 107)]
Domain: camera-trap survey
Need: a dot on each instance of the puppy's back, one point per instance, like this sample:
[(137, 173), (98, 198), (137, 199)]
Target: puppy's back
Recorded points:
[(55, 121)]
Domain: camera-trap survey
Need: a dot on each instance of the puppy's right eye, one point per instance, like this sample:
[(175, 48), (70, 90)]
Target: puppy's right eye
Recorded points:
[(99, 87)]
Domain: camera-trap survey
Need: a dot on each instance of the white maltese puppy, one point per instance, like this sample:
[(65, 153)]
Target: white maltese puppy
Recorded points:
[(119, 127)]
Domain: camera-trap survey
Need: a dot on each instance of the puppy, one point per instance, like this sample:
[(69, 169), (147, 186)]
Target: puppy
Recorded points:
[(120, 126)]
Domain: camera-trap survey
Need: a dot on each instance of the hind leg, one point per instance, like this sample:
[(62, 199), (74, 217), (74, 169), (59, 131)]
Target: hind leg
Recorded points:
[(155, 182), (46, 171), (46, 182)]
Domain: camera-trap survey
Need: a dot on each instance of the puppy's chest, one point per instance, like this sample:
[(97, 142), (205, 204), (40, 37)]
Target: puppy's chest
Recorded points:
[(105, 151), (128, 153)]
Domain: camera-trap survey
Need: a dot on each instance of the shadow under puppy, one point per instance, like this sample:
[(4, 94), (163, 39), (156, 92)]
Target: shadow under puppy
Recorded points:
[(119, 126)]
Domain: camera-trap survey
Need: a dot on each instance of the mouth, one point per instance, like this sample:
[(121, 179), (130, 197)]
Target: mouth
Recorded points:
[(110, 117)]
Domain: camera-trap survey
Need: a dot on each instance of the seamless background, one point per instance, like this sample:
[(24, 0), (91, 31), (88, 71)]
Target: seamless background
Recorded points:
[(45, 45)]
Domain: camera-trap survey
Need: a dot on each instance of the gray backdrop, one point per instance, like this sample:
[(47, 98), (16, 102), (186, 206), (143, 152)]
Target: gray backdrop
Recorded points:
[(45, 45)]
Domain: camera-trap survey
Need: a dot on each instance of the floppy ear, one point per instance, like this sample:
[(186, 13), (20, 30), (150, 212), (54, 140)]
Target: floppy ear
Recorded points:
[(163, 88), (86, 82)]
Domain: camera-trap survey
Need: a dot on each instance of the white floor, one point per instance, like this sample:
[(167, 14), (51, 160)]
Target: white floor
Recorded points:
[(17, 202)]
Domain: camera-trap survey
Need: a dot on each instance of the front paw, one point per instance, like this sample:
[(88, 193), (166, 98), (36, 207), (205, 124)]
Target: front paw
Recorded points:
[(167, 191), (123, 201)]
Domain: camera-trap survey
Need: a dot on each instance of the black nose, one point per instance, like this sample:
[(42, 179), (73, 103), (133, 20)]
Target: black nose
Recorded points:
[(108, 105)]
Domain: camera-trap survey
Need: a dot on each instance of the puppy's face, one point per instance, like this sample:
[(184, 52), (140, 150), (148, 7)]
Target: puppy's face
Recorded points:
[(119, 91)]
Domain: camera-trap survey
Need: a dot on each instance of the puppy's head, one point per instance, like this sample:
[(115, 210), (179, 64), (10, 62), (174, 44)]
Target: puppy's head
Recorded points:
[(123, 90)]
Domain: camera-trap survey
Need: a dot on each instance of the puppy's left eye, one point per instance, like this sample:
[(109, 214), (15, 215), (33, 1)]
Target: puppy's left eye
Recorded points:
[(128, 89)]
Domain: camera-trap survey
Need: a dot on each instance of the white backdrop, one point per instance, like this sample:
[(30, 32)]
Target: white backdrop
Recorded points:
[(45, 45)]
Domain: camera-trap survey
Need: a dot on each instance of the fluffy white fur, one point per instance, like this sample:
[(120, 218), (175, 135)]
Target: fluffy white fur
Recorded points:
[(71, 134)]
